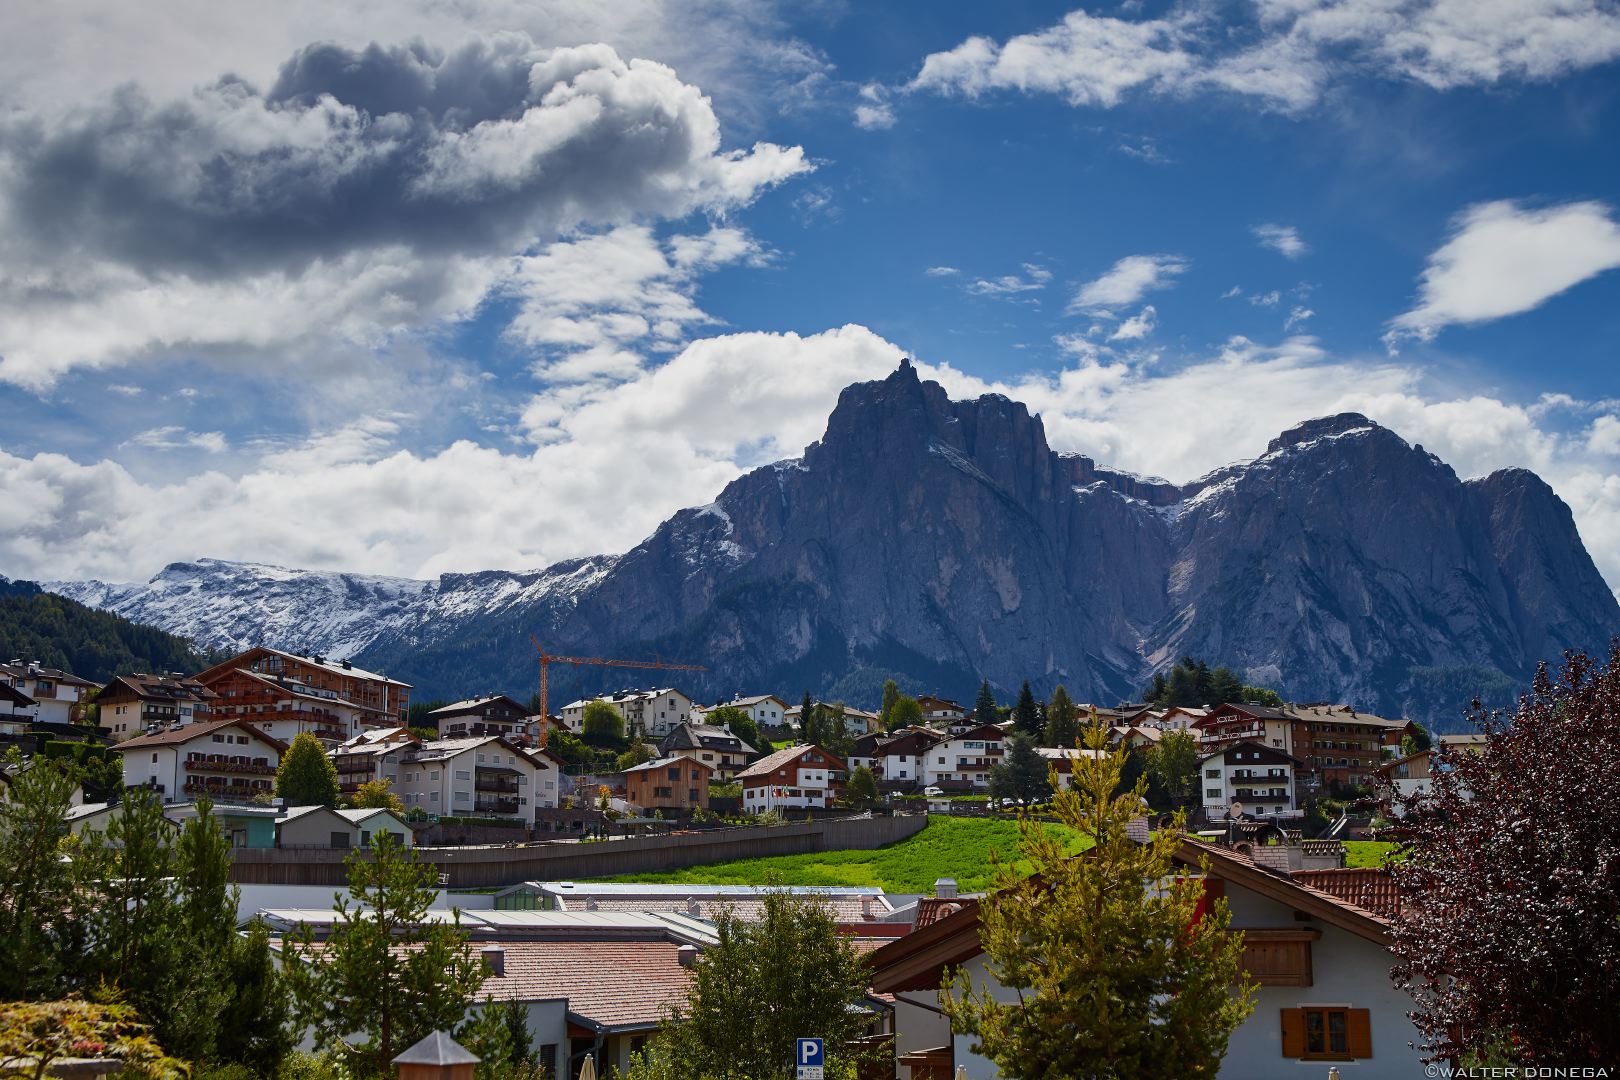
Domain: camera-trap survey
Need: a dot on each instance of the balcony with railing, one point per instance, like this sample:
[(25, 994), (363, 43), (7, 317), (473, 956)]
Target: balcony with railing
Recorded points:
[(496, 804), (501, 782), (1266, 794), (228, 763), (235, 790)]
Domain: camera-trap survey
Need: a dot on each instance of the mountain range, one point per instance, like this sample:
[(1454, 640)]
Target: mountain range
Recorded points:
[(939, 542)]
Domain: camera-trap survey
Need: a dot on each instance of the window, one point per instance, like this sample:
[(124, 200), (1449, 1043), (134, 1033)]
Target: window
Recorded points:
[(1326, 1033), (691, 794), (433, 796), (1213, 774), (463, 774), (674, 772), (340, 840), (463, 796), (1212, 793)]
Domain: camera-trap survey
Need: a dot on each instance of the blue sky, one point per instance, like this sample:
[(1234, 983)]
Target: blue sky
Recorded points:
[(399, 290)]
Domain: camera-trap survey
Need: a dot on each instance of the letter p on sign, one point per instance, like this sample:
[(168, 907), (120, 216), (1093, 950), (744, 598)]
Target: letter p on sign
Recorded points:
[(810, 1057)]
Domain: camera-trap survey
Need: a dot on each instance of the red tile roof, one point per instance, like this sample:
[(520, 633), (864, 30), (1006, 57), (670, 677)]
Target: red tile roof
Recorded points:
[(187, 732), (611, 984), (1372, 888)]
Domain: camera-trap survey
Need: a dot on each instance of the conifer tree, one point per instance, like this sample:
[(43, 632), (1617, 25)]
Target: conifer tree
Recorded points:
[(1116, 976), (891, 694), (1022, 773), (984, 708), (1027, 714), (39, 908), (306, 776), (1062, 720), (386, 977)]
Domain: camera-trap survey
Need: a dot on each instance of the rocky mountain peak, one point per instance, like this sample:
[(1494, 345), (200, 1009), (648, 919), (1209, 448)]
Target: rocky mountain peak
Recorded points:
[(1322, 427)]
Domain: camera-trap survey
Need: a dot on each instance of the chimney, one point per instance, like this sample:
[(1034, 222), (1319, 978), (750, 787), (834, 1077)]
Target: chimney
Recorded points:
[(693, 908), (590, 903), (1282, 858), (687, 955), (1137, 829), (945, 887), (867, 903), (495, 957)]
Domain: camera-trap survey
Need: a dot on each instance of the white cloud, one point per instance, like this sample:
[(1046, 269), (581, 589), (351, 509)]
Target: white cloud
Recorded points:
[(874, 112), (1283, 239), (1288, 55), (1266, 299), (174, 437), (622, 457), (941, 271), (1298, 317), (1034, 278), (1136, 327), (1503, 259), (1127, 281)]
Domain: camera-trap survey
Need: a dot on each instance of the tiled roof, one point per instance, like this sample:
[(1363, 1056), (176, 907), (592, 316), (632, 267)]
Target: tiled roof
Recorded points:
[(664, 763), (1343, 714), (786, 756), (28, 669), (188, 732), (1372, 888), (609, 983), (691, 736), (931, 909)]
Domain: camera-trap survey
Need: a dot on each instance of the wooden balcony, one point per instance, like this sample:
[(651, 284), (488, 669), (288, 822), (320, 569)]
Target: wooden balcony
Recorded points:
[(220, 763)]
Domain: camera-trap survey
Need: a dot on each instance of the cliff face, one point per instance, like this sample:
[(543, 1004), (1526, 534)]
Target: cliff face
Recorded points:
[(941, 542)]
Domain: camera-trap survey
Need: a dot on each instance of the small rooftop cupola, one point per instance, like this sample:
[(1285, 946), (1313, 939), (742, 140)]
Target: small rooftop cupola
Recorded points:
[(437, 1057), (945, 887)]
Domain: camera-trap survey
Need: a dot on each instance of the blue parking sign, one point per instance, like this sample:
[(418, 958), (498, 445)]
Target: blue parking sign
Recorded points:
[(810, 1056)]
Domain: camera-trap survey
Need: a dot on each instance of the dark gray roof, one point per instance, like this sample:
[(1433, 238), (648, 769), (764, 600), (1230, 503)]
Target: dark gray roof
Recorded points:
[(438, 1049)]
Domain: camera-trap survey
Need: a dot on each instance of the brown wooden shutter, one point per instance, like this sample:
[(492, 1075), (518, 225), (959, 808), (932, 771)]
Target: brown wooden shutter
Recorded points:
[(1293, 1033), (1358, 1033)]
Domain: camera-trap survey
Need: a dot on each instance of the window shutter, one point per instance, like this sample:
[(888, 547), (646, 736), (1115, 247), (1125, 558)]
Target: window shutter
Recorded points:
[(1358, 1033), (1293, 1033)]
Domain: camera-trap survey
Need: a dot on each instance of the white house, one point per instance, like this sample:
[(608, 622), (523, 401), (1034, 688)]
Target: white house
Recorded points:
[(1258, 776), (473, 777), (898, 762), (56, 693), (653, 713), (793, 777), (228, 760), (373, 754), (962, 761), (1322, 962)]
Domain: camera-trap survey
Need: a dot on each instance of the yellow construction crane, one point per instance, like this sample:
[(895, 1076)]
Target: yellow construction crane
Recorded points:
[(547, 659)]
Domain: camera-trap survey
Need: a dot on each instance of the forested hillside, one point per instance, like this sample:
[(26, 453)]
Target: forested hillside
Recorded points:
[(96, 645)]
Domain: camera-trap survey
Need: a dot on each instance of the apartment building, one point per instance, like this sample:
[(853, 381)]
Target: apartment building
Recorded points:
[(1259, 777), (373, 754), (961, 762), (485, 776), (134, 705), (229, 760), (652, 713), (380, 701), (281, 706), (493, 714), (794, 777), (713, 746), (59, 694)]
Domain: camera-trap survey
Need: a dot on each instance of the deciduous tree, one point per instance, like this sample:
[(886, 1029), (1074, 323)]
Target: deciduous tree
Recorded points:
[(35, 1037), (306, 776), (1174, 763), (378, 794), (1509, 926), (601, 725), (863, 787), (1116, 974), (907, 712), (793, 960)]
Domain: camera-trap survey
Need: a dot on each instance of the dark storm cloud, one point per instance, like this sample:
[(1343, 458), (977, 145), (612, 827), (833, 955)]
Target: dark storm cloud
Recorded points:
[(481, 149)]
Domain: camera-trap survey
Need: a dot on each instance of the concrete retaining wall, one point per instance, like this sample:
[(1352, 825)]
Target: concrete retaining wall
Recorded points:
[(566, 860)]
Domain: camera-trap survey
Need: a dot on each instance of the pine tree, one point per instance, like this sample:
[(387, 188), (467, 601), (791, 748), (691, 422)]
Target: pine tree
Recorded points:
[(1062, 720), (306, 776), (1114, 975), (891, 694), (386, 976), (39, 907), (1027, 714), (255, 1026), (809, 728), (984, 708), (1225, 685)]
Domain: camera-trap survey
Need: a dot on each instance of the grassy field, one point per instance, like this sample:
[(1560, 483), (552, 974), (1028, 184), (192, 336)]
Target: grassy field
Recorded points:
[(1367, 852), (949, 847)]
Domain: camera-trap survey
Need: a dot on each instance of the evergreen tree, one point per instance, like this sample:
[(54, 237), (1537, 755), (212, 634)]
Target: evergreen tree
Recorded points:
[(1062, 720), (1027, 714), (809, 725), (891, 694), (1022, 774), (984, 708), (39, 905), (791, 958), (907, 712), (386, 976), (1225, 685), (1262, 696), (499, 1034), (255, 1025), (1114, 975), (306, 776)]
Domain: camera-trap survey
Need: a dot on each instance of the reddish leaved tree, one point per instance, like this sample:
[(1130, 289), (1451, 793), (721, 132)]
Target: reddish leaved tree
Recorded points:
[(1509, 934)]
